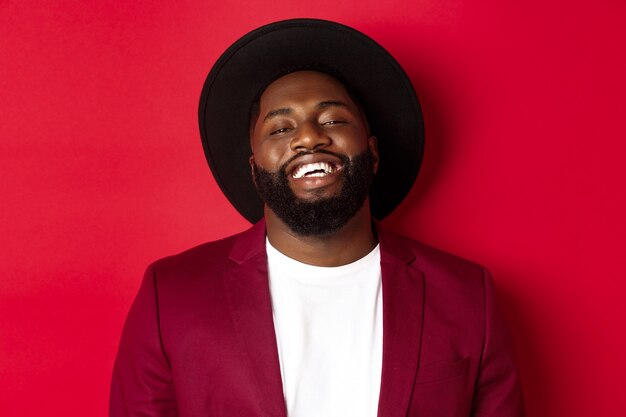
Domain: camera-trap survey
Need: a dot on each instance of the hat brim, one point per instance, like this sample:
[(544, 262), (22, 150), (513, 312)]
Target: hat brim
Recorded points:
[(382, 87)]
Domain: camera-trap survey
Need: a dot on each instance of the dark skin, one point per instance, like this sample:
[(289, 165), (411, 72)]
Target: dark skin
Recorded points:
[(304, 111)]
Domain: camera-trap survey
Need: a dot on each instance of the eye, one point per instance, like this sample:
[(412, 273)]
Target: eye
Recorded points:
[(333, 122), (280, 130)]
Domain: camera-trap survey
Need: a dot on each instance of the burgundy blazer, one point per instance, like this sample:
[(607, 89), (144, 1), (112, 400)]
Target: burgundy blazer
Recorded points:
[(199, 339)]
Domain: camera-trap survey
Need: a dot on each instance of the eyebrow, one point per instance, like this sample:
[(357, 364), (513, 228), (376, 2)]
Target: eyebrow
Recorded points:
[(277, 112), (331, 103), (287, 110)]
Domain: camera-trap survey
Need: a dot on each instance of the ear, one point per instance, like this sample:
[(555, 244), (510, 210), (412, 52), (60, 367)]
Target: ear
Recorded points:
[(372, 144), (251, 162)]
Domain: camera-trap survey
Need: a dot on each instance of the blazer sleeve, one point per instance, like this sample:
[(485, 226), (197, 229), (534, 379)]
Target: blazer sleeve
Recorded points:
[(498, 392), (142, 377)]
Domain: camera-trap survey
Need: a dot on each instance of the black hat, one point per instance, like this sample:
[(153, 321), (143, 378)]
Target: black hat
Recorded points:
[(369, 72)]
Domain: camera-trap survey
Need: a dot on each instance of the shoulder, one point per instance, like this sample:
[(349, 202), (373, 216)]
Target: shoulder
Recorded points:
[(423, 255), (208, 252), (439, 268), (212, 256)]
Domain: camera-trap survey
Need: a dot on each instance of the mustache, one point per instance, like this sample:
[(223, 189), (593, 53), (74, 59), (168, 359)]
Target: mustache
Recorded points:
[(344, 158)]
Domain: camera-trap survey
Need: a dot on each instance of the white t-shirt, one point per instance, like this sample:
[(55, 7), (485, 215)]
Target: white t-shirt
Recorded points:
[(328, 323)]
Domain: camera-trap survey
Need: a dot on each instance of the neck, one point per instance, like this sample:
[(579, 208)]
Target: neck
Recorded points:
[(350, 243)]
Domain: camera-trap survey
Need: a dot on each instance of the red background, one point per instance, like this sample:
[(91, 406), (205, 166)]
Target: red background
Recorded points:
[(102, 172)]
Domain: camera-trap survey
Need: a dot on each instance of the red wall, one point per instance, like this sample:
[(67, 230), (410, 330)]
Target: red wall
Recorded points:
[(102, 171)]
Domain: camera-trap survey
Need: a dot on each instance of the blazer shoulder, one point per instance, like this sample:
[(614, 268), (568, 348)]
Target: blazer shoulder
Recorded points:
[(210, 256), (423, 253), (208, 251), (434, 262)]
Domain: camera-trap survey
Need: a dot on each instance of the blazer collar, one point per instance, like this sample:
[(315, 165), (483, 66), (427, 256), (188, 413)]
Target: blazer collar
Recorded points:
[(249, 300), (248, 295), (403, 302), (249, 244)]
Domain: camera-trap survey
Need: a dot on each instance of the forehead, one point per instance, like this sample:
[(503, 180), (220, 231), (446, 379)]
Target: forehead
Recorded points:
[(304, 86)]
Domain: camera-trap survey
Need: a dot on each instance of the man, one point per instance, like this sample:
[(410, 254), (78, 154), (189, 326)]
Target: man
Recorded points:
[(316, 310)]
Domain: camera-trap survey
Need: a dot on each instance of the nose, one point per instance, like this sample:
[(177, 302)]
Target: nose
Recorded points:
[(310, 136)]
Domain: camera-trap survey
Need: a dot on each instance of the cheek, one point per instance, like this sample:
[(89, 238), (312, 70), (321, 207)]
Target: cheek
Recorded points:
[(269, 155), (353, 143)]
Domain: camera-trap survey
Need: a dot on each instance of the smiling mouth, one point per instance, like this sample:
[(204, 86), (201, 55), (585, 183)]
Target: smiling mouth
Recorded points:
[(315, 169)]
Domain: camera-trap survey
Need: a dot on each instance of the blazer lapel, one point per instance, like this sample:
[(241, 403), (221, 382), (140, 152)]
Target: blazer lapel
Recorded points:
[(247, 290), (403, 301)]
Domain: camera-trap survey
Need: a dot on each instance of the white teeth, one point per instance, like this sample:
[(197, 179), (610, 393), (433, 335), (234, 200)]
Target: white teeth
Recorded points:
[(309, 170)]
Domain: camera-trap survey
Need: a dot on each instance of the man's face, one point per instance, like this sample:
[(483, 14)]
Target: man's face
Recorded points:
[(312, 155)]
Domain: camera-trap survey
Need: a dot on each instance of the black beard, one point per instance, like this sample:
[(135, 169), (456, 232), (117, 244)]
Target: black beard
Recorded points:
[(321, 216)]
